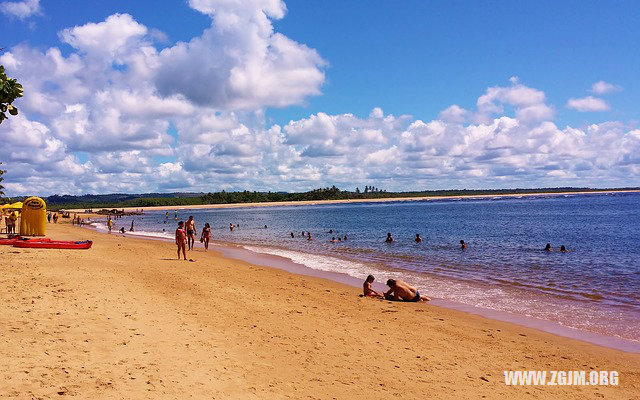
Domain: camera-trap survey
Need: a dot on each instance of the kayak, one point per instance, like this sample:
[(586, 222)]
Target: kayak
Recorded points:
[(13, 240), (54, 244)]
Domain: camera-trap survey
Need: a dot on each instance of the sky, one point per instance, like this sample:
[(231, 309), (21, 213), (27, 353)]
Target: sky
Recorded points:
[(205, 95)]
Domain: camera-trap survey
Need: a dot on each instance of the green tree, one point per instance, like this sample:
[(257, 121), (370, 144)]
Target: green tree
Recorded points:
[(10, 90)]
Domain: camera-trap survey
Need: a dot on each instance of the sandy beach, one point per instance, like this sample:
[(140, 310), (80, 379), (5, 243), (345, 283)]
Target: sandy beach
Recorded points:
[(315, 202), (125, 319)]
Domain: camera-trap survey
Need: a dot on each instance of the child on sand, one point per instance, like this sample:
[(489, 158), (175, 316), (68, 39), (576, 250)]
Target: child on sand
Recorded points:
[(366, 287), (181, 240)]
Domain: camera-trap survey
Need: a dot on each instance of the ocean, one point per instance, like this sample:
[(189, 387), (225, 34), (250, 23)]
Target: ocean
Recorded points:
[(593, 287)]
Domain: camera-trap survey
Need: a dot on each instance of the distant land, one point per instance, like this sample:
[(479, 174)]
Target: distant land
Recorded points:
[(121, 200)]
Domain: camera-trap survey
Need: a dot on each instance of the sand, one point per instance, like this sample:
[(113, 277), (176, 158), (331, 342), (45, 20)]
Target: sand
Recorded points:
[(126, 320), (315, 202)]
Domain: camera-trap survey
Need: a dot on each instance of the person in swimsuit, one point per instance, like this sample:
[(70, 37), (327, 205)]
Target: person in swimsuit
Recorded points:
[(418, 238), (389, 239), (181, 240), (368, 291), (547, 247), (191, 231), (563, 249), (402, 291), (463, 245), (206, 235)]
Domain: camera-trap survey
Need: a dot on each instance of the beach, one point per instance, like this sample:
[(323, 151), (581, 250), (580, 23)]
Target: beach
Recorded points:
[(125, 319), (351, 201)]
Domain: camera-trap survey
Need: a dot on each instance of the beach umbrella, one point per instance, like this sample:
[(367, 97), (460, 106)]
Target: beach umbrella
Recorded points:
[(17, 205)]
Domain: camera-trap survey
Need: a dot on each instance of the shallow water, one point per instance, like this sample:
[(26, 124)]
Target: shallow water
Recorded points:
[(593, 287)]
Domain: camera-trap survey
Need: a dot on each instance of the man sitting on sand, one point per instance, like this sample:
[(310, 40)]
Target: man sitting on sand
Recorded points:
[(402, 291), (366, 287)]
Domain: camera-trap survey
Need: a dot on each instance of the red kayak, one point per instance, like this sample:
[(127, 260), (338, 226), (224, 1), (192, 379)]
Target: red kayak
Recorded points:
[(15, 239), (54, 244)]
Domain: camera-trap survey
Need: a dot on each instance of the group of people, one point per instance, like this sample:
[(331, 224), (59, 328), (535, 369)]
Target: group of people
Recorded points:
[(186, 233), (563, 249), (10, 222), (418, 239), (398, 291), (52, 216)]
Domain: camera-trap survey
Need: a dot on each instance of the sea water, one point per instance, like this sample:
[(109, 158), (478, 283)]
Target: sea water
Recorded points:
[(593, 287)]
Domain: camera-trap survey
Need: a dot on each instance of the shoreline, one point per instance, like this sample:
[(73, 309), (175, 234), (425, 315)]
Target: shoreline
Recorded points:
[(379, 200), (126, 318), (238, 251)]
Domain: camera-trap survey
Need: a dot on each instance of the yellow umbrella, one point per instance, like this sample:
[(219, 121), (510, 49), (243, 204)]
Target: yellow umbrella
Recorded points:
[(17, 205)]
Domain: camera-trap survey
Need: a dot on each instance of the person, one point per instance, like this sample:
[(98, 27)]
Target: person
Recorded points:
[(49, 217), (191, 230), (547, 247), (330, 231), (389, 239), (131, 229), (181, 240), (368, 291), (175, 214), (339, 239), (333, 240), (309, 236), (402, 291), (418, 238), (463, 245), (563, 249), (109, 224), (13, 218), (303, 233), (231, 227), (55, 218), (292, 235), (345, 238), (265, 227), (122, 230), (206, 235), (166, 215)]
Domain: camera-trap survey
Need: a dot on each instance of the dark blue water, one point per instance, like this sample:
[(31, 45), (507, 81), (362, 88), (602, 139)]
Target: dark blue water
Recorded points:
[(594, 286)]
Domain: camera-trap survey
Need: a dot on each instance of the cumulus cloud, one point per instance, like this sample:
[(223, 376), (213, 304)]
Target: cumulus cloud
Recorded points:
[(602, 87), (20, 9), (240, 62), (120, 113), (589, 103)]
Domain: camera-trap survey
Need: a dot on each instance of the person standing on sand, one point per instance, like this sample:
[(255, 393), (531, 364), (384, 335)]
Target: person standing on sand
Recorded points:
[(181, 240), (402, 291), (206, 235), (131, 229), (366, 288), (109, 224), (191, 231)]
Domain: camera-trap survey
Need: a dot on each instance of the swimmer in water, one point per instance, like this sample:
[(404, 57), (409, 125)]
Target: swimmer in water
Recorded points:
[(389, 239), (547, 247), (418, 238), (463, 245)]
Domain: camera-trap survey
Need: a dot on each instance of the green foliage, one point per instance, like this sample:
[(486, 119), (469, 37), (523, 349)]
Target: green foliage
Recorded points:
[(330, 193), (10, 90)]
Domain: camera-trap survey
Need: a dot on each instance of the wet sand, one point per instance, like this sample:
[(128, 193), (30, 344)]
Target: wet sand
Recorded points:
[(126, 320)]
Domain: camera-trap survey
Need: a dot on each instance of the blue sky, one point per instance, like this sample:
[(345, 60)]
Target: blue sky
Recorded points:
[(332, 59)]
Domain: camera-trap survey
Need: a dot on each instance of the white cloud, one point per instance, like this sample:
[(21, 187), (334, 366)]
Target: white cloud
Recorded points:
[(454, 113), (589, 103), (240, 62), (20, 9), (107, 117), (602, 87)]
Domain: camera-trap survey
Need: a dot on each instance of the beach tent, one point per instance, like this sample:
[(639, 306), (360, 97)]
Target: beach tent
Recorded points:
[(14, 206), (33, 221)]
